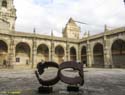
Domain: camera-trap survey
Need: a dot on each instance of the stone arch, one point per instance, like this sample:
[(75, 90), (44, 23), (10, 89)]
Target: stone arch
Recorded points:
[(73, 54), (22, 53), (118, 53), (114, 40), (98, 55), (42, 53), (3, 51), (4, 3), (84, 55), (59, 54)]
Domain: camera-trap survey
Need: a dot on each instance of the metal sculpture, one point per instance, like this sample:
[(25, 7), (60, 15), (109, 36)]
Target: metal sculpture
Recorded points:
[(72, 82)]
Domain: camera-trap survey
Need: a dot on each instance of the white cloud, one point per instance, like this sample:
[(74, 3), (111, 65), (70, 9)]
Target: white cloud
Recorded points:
[(53, 14)]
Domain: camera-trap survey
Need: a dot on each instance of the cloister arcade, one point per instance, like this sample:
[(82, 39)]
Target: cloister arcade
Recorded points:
[(23, 53)]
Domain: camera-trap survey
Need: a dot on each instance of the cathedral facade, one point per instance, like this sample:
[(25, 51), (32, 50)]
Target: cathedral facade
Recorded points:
[(106, 49)]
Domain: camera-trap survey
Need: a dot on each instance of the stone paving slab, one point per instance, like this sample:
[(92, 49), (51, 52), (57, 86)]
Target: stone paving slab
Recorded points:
[(97, 82)]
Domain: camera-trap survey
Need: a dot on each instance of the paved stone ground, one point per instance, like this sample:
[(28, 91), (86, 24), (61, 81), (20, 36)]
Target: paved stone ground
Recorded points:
[(97, 82)]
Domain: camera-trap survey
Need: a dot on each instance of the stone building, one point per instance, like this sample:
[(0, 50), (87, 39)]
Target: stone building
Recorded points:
[(106, 49)]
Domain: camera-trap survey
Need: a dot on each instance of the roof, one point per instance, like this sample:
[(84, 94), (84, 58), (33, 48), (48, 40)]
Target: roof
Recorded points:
[(71, 21)]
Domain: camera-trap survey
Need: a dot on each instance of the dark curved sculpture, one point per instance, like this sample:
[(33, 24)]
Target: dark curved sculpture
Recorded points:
[(40, 71), (45, 88), (75, 66)]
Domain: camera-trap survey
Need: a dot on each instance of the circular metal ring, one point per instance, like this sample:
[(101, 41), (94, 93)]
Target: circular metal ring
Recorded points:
[(41, 68), (75, 66)]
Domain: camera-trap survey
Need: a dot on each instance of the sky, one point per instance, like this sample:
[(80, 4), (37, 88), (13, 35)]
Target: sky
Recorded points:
[(52, 15)]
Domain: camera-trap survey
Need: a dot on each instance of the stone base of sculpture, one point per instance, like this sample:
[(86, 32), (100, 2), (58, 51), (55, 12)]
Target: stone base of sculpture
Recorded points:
[(73, 88), (45, 90)]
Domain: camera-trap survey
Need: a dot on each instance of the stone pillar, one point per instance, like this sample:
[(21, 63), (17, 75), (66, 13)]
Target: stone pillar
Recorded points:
[(52, 51), (106, 64), (34, 52), (79, 53), (106, 58), (67, 52), (11, 56), (106, 52), (69, 55), (89, 55), (110, 58), (89, 58), (31, 55), (34, 57)]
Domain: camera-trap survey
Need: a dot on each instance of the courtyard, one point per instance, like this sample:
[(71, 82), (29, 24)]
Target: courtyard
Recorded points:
[(22, 81)]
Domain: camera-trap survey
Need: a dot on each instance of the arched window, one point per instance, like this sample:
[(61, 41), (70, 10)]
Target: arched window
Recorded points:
[(4, 3)]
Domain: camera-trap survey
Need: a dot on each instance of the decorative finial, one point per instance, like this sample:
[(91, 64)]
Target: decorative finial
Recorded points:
[(88, 33), (51, 32), (106, 28), (34, 30)]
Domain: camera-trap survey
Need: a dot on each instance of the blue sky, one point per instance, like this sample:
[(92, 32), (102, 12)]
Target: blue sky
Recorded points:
[(43, 2), (48, 15)]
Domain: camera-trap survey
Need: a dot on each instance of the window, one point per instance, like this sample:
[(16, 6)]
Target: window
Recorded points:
[(17, 59), (4, 3)]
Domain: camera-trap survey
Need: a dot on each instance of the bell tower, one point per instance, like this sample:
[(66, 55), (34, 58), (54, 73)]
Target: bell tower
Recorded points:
[(71, 30), (7, 15)]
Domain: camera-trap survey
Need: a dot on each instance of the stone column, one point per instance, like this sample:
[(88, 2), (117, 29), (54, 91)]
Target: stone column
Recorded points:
[(67, 52), (79, 53), (110, 58), (31, 55), (52, 51), (34, 56), (89, 55), (34, 52), (106, 52), (106, 58), (11, 56)]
